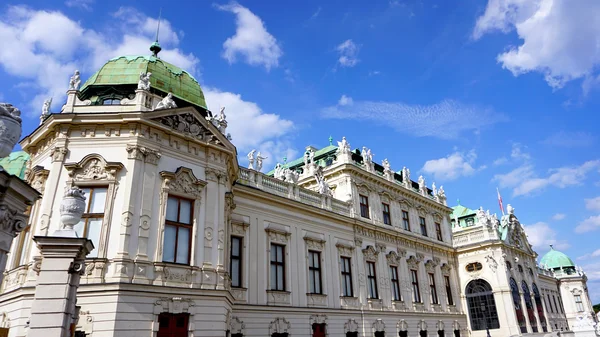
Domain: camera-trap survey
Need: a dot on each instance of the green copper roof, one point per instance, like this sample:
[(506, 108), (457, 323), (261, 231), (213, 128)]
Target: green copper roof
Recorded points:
[(165, 77), (556, 260), (15, 163), (319, 154), (460, 211)]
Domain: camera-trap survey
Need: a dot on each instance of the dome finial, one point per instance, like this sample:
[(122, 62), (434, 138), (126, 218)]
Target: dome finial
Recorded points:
[(155, 47), (552, 247)]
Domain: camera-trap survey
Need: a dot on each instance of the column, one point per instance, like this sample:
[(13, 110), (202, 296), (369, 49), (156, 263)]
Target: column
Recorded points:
[(15, 196), (53, 308), (135, 155)]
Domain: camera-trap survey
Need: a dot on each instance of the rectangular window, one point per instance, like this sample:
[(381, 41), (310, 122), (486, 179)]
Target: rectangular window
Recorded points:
[(415, 286), (314, 272), (423, 226), (277, 267), (579, 303), (438, 231), (396, 296), (448, 290), (372, 279), (91, 221), (550, 302), (387, 216), (405, 220), (433, 289), (235, 265), (555, 306), (364, 206), (178, 230), (346, 277)]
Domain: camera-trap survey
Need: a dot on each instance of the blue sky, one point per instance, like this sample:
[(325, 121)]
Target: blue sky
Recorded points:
[(474, 97)]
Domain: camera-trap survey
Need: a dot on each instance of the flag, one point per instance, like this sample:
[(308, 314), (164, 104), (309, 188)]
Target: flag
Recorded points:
[(500, 201)]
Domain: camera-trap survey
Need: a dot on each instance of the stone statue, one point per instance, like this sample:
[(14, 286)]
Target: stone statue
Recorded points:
[(441, 193), (510, 209), (291, 176), (481, 217), (259, 161), (306, 158), (45, 109), (344, 146), (279, 172), (144, 82), (422, 186), (10, 128), (456, 221), (363, 153), (166, 103), (386, 165), (311, 157), (406, 175), (322, 185), (370, 155), (75, 81), (222, 121), (434, 189), (251, 159)]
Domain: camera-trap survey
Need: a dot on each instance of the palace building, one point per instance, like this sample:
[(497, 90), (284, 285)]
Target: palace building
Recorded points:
[(189, 243)]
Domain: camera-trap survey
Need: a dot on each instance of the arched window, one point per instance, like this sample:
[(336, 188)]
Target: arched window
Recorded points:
[(514, 290), (529, 306), (482, 306), (539, 307)]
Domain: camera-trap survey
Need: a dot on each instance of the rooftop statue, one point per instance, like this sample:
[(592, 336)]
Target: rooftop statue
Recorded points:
[(344, 146), (291, 176), (481, 217), (166, 103), (46, 109), (75, 81), (441, 193), (251, 159), (386, 165), (406, 175), (434, 189), (10, 128), (322, 185), (259, 161), (279, 172), (144, 82), (422, 186), (505, 222)]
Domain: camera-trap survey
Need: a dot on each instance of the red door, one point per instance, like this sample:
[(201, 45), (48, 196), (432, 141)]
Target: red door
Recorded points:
[(318, 330), (173, 325)]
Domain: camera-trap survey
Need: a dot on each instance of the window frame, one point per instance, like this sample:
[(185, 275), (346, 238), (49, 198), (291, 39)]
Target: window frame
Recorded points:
[(239, 258), (438, 231), (277, 264), (346, 276), (315, 274), (387, 214), (578, 303), (406, 220), (364, 206), (448, 286), (86, 216), (396, 292), (423, 226), (372, 290), (433, 289), (177, 224), (416, 291)]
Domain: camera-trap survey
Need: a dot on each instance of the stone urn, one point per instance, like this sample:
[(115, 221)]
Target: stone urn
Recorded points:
[(10, 128), (72, 208)]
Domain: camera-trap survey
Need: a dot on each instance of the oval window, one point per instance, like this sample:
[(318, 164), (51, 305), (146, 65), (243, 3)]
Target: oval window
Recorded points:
[(475, 266)]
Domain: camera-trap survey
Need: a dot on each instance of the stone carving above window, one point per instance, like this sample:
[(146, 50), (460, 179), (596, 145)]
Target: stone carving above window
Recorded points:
[(236, 326), (280, 325), (37, 177), (278, 233), (351, 326), (446, 268), (370, 253), (183, 181), (431, 264), (174, 305), (402, 325), (378, 325), (413, 262), (93, 167), (318, 319), (344, 249), (393, 258), (187, 124)]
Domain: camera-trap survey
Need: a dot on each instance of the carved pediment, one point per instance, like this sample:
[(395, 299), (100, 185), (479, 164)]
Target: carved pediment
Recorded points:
[(370, 253), (280, 325), (393, 258), (183, 181), (93, 167), (37, 177)]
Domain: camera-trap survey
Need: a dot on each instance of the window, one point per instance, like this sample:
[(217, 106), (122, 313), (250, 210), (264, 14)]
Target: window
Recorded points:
[(235, 265), (540, 309), (555, 306), (20, 254), (173, 325), (508, 265), (346, 277), (403, 333), (387, 216), (550, 302), (514, 289), (415, 286), (578, 303), (364, 206), (438, 231), (475, 266), (111, 101), (352, 334), (423, 226), (314, 272), (520, 268), (319, 330), (396, 296), (379, 334), (432, 289), (405, 220), (481, 305), (277, 267), (178, 230), (448, 290), (529, 306), (562, 308), (90, 225), (372, 279)]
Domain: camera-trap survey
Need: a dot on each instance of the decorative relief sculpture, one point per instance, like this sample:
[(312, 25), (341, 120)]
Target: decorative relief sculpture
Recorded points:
[(75, 81), (370, 253), (187, 124), (291, 176), (166, 103), (491, 262), (10, 128), (72, 208), (393, 258), (144, 82), (317, 319), (183, 181), (378, 325), (351, 326), (93, 167), (279, 326)]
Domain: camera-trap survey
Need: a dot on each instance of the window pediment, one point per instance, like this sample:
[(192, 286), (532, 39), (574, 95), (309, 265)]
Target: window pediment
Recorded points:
[(93, 167), (370, 253), (183, 182)]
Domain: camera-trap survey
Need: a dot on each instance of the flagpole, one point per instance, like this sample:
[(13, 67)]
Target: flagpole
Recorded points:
[(500, 201)]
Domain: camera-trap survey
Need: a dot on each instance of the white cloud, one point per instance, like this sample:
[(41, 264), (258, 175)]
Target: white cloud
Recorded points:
[(541, 236), (559, 37), (447, 120), (81, 4), (593, 204), (518, 153), (374, 73), (570, 139), (251, 39), (345, 100), (500, 161), (348, 53), (588, 225), (455, 165), (316, 13), (559, 216), (525, 181), (47, 46), (251, 128), (595, 253)]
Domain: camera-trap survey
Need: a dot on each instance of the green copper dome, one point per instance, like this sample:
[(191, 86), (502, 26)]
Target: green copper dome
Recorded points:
[(15, 163), (125, 70), (556, 260)]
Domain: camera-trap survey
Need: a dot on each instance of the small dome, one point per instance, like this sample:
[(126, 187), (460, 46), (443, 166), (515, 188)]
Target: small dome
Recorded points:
[(125, 71), (556, 260)]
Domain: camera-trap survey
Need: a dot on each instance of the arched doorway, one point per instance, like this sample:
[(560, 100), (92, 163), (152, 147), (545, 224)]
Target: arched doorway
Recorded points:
[(482, 306), (514, 290)]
